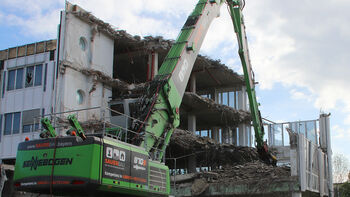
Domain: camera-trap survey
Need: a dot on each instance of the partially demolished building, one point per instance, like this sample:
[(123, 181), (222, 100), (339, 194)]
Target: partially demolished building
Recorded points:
[(91, 67)]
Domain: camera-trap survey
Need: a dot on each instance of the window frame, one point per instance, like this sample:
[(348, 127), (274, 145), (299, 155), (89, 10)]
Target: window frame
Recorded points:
[(17, 77), (19, 123), (16, 81), (36, 75), (31, 84), (6, 124), (8, 79)]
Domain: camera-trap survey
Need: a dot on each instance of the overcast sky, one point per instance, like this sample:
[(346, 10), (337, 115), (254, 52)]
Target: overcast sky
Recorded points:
[(299, 51)]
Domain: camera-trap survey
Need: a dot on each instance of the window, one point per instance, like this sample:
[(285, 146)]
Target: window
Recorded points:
[(11, 80), (28, 120), (117, 108), (16, 122), (19, 78), (3, 84), (38, 75), (12, 123), (27, 128), (8, 124), (80, 97), (16, 80), (82, 43), (29, 76)]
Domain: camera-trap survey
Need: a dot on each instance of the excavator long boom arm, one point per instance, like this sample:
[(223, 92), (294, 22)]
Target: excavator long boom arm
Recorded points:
[(235, 7), (162, 102)]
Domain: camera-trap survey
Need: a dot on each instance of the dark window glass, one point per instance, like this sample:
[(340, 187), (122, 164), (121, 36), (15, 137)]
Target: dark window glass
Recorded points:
[(133, 109), (117, 108), (29, 76), (52, 55), (16, 122), (8, 124), (3, 84), (38, 75), (36, 127), (11, 80), (2, 62), (26, 128), (19, 78)]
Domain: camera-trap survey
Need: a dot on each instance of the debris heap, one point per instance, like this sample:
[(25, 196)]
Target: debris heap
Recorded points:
[(228, 164)]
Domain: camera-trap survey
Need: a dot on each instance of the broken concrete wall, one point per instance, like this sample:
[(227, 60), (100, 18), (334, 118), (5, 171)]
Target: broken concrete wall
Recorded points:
[(86, 47)]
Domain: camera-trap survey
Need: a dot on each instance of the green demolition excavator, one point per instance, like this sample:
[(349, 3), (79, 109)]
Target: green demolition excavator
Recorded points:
[(133, 164)]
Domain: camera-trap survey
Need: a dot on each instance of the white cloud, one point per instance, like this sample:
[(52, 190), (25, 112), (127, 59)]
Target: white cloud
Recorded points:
[(144, 17), (300, 95), (302, 46), (339, 132), (35, 18)]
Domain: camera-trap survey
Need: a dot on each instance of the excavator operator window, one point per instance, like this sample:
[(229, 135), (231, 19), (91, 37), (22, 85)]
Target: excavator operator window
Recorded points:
[(117, 108)]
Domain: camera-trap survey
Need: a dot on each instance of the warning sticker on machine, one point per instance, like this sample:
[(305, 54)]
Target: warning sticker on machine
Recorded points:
[(125, 165), (116, 162)]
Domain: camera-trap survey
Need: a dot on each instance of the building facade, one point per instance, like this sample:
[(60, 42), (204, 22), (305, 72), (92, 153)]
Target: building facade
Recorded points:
[(27, 92)]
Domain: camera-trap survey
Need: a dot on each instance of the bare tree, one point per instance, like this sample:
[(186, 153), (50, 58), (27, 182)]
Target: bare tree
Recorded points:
[(340, 168)]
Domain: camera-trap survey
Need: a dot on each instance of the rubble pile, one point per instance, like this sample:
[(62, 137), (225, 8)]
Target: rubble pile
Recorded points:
[(251, 171), (208, 151), (228, 163), (255, 176)]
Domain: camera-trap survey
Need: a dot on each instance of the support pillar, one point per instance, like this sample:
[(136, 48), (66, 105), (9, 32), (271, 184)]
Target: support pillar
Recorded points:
[(215, 134), (242, 99), (241, 135), (191, 123), (230, 135), (234, 136), (191, 127), (246, 135), (224, 135), (152, 65), (325, 143), (193, 83)]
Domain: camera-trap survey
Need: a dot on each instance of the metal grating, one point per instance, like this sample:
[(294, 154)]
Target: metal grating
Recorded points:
[(157, 179)]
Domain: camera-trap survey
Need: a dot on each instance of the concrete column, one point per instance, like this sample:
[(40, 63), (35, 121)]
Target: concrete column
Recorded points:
[(230, 136), (325, 142), (246, 135), (193, 83), (234, 136), (215, 133), (224, 135), (320, 171), (191, 123), (216, 96), (242, 99), (241, 135), (192, 127), (302, 161)]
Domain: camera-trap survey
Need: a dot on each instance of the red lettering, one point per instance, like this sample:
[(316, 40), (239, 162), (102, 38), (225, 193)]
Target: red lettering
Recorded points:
[(111, 162), (42, 145)]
